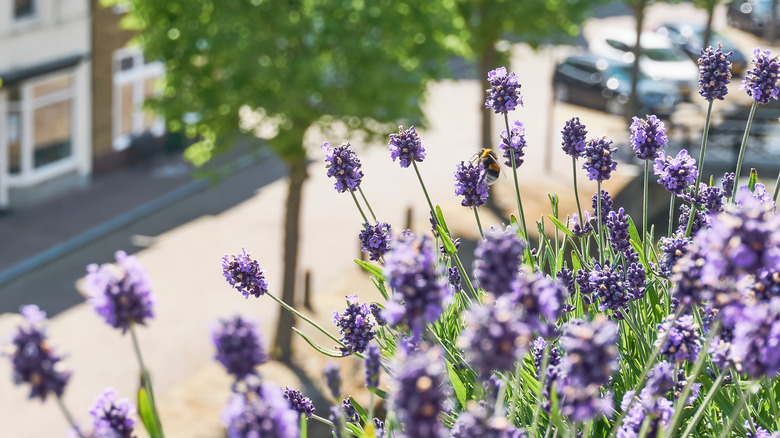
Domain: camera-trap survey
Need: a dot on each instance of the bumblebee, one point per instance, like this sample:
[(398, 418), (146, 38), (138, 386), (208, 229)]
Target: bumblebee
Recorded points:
[(489, 161)]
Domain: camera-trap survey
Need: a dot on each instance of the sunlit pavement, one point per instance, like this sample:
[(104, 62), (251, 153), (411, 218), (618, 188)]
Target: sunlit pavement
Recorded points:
[(184, 262)]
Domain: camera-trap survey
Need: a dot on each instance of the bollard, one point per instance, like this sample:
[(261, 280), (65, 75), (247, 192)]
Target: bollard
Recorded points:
[(409, 218), (307, 291)]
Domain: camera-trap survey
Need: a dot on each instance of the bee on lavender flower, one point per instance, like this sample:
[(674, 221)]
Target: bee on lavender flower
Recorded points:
[(489, 161)]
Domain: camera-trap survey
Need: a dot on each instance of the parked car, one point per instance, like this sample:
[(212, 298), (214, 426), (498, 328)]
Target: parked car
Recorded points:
[(602, 83), (689, 37), (660, 59), (751, 15)]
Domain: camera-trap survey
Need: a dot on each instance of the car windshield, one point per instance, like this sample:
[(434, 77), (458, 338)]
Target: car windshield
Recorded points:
[(622, 73), (763, 7), (664, 55)]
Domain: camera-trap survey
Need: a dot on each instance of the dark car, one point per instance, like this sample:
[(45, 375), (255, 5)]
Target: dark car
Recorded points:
[(751, 15), (602, 83), (690, 37)]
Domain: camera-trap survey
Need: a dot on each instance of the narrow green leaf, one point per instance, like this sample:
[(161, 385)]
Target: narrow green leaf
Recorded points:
[(559, 260), (146, 412), (354, 429), (362, 412), (445, 238), (376, 271), (314, 345), (753, 180), (457, 384), (632, 230), (440, 218), (559, 225), (379, 393), (380, 285)]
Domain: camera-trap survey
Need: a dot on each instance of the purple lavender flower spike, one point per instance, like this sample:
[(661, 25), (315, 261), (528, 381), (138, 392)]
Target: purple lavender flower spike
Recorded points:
[(240, 348), (700, 220), (453, 275), (608, 286), (648, 137), (33, 360), (684, 341), (515, 141), (727, 182), (372, 364), (760, 431), (617, 224), (121, 294), (420, 288), (606, 205), (470, 182), (379, 428), (714, 73), (260, 410), (335, 417), (476, 421), (756, 336), (661, 379), (760, 83), (406, 146), (575, 223), (599, 162), (504, 92), (298, 402), (638, 408), (418, 398), (672, 249), (542, 299), (636, 281), (350, 414), (245, 274), (574, 134), (676, 173), (496, 336), (497, 260), (355, 326), (112, 418), (343, 165), (332, 373), (375, 239)]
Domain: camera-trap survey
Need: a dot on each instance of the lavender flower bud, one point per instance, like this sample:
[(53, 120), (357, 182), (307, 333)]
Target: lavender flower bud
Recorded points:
[(260, 411), (470, 182), (112, 418), (648, 137), (575, 223), (504, 92), (240, 348), (714, 73), (373, 364), (636, 281), (32, 358), (332, 373), (406, 146), (683, 341), (420, 289), (298, 402), (515, 141), (355, 326), (497, 260), (638, 408), (672, 249), (591, 354), (418, 398), (661, 379), (244, 274), (375, 239), (608, 286), (379, 428), (727, 182), (676, 173), (343, 165), (376, 312), (606, 205), (121, 295), (617, 224), (599, 162), (760, 83), (350, 414), (495, 336), (453, 275), (541, 298), (700, 220), (574, 135)]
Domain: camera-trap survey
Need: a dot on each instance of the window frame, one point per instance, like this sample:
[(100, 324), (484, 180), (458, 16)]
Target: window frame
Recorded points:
[(136, 76)]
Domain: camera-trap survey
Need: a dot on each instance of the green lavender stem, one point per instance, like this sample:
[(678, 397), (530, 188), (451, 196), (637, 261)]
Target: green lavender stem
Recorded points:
[(370, 210), (479, 224), (702, 149), (644, 208), (598, 222), (576, 191), (427, 198), (540, 394), (743, 146), (322, 420), (68, 416), (777, 188), (704, 405), (517, 185), (354, 198), (736, 414), (145, 376), (671, 216)]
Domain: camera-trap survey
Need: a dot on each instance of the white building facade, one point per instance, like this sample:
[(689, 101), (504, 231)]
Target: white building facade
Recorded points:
[(45, 97)]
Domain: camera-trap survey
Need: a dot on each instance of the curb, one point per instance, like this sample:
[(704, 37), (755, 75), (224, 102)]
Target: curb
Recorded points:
[(124, 219)]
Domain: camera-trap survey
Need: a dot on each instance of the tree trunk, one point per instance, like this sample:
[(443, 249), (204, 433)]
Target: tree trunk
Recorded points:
[(487, 61), (297, 176), (633, 101), (771, 30), (708, 27)]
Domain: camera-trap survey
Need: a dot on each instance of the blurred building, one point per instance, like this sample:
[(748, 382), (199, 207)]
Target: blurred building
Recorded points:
[(71, 95)]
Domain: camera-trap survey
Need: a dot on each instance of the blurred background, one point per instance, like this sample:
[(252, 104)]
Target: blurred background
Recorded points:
[(182, 130)]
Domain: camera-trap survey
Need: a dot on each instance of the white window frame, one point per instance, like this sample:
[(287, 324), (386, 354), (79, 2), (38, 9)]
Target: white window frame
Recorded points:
[(135, 76), (28, 174), (28, 20)]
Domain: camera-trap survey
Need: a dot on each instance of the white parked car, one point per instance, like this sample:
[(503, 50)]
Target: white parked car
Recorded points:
[(660, 58)]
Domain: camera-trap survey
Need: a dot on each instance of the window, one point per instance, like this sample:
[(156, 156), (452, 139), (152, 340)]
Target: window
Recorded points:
[(24, 9), (134, 83)]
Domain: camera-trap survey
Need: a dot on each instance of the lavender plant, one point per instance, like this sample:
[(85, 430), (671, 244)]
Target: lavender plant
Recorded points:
[(675, 338)]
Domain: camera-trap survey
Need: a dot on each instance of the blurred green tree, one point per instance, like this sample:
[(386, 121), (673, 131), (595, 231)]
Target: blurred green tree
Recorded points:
[(299, 64), (532, 21), (709, 7)]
